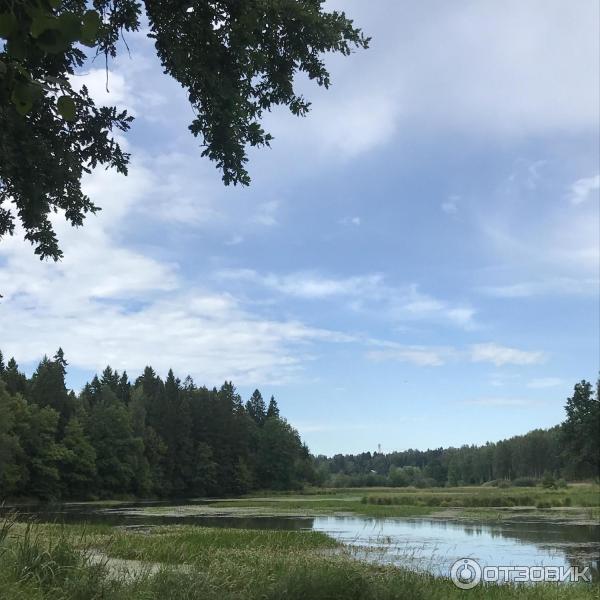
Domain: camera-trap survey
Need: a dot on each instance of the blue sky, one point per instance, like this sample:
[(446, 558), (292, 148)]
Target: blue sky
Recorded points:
[(414, 265)]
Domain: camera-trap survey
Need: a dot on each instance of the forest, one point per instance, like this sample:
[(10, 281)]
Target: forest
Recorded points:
[(570, 450), (172, 438), (145, 438)]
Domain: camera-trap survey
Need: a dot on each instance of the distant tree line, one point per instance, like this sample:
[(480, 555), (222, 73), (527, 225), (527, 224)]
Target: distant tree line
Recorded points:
[(143, 438), (570, 450)]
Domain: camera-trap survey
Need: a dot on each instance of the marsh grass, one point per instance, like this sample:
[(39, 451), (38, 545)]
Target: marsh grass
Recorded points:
[(55, 563), (322, 506), (415, 502), (188, 544), (475, 497)]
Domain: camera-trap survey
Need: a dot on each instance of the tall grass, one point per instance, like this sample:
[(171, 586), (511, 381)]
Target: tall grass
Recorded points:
[(484, 497), (55, 563)]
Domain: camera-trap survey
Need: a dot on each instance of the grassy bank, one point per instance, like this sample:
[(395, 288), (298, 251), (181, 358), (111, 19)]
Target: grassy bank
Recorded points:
[(577, 502), (72, 562)]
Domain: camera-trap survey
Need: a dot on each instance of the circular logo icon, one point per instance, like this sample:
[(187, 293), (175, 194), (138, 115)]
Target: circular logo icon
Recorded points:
[(465, 573)]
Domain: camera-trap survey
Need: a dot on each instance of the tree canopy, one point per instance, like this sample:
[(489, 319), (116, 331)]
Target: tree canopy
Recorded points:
[(235, 60), (150, 437)]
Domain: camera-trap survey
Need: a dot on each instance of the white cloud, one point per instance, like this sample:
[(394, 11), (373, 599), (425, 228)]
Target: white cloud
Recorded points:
[(584, 188), (495, 74), (545, 382), (356, 221), (559, 244), (501, 379), (449, 207), (107, 88), (435, 356), (265, 213), (534, 173), (503, 355), (124, 88), (421, 356), (305, 284), (364, 293), (560, 286), (108, 303)]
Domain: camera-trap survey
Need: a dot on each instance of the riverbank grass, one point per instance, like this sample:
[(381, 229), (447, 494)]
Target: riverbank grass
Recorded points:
[(44, 562), (577, 502)]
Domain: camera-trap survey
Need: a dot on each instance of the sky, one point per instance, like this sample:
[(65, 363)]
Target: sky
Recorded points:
[(415, 264)]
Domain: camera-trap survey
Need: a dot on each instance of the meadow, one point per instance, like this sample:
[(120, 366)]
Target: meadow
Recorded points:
[(182, 562)]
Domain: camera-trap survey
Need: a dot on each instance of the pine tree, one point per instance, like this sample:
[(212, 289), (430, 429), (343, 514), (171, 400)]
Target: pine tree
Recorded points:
[(48, 388), (61, 362), (124, 388), (110, 378), (16, 382), (177, 433), (256, 408), (273, 410)]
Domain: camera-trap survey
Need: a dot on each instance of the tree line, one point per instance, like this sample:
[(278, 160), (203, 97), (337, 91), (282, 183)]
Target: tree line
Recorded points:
[(570, 450), (143, 438), (171, 438)]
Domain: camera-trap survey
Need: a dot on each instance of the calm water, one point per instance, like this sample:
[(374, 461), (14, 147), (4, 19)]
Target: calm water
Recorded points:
[(422, 544)]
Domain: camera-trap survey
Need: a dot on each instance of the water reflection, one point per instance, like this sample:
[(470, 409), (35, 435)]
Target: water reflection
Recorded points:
[(433, 545), (424, 544)]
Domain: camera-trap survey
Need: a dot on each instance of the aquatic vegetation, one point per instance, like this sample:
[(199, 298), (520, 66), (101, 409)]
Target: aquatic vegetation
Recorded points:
[(62, 562)]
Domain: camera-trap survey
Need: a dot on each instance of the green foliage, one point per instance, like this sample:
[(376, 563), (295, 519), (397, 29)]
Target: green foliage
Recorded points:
[(111, 434), (13, 472), (38, 433), (256, 409), (78, 468), (524, 482), (168, 438), (153, 439), (235, 60), (279, 448), (581, 431), (548, 480)]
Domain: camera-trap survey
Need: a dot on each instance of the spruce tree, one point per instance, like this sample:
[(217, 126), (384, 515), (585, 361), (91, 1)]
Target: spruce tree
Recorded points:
[(48, 388), (16, 382), (273, 410), (124, 388), (256, 408), (110, 378)]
